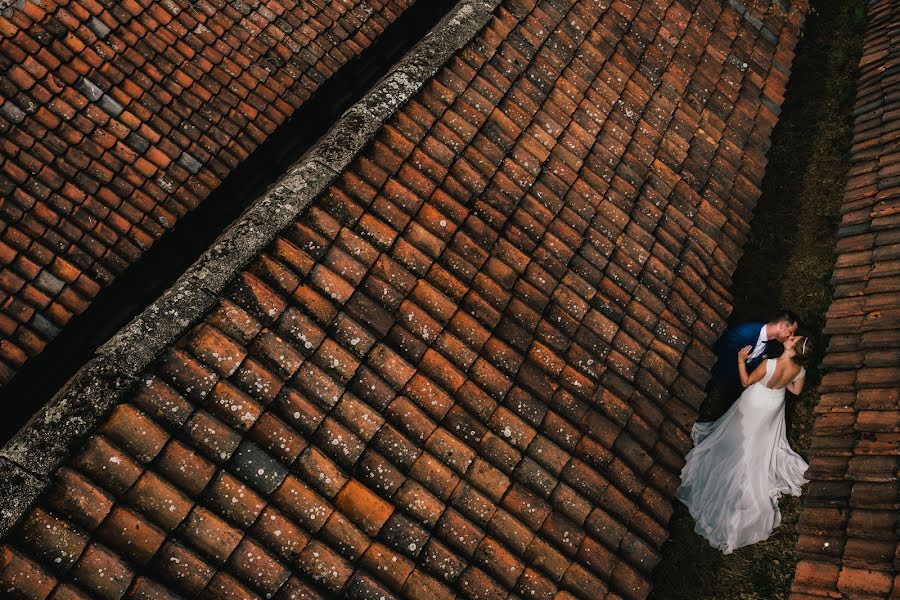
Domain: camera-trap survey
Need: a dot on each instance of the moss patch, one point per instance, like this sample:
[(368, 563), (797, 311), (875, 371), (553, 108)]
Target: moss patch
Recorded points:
[(788, 262)]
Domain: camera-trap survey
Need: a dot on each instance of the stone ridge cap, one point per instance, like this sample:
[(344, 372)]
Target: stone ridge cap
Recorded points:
[(36, 450), (9, 5)]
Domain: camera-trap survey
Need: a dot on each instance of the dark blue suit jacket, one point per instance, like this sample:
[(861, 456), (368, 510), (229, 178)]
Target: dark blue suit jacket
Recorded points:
[(725, 370)]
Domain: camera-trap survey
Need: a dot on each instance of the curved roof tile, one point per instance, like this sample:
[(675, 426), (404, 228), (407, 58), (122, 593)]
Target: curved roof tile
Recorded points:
[(469, 367), (118, 118), (849, 543)]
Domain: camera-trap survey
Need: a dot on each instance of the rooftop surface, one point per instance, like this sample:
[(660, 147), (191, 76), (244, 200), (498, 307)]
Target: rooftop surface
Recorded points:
[(469, 366), (119, 118), (848, 544)]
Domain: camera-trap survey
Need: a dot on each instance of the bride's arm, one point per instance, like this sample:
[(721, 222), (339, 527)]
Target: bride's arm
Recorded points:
[(796, 386), (758, 373)]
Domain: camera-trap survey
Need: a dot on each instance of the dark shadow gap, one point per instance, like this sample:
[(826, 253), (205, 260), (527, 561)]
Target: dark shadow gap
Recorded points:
[(787, 261), (159, 267)]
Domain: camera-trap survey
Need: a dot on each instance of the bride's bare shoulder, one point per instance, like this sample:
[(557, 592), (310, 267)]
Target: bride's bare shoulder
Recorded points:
[(787, 370)]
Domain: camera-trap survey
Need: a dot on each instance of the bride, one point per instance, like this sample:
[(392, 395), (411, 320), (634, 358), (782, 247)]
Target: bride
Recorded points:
[(742, 462)]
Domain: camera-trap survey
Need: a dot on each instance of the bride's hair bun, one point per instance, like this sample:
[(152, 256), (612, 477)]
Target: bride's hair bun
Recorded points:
[(803, 351)]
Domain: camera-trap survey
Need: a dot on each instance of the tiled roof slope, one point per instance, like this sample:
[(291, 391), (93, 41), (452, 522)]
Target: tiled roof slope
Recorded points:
[(470, 367), (119, 117), (848, 546)]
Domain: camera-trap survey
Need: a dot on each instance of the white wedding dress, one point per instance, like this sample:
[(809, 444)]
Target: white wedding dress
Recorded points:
[(738, 468)]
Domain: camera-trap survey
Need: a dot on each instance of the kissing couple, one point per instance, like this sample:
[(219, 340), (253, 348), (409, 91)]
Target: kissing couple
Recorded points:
[(742, 462)]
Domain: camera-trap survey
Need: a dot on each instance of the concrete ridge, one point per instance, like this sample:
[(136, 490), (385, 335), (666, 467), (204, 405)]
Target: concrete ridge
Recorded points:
[(7, 6), (33, 454)]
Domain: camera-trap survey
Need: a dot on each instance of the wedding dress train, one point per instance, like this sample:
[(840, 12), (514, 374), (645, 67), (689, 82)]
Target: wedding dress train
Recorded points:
[(740, 465)]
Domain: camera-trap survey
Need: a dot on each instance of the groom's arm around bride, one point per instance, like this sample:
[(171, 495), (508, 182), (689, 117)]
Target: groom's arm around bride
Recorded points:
[(764, 338)]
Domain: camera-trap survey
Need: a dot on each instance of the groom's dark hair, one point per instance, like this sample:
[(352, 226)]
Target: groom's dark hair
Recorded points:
[(788, 316)]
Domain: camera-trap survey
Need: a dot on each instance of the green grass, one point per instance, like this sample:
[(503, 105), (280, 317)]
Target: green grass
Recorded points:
[(788, 262)]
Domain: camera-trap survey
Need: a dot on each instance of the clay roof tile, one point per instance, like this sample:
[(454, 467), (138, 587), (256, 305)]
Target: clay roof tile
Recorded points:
[(445, 376)]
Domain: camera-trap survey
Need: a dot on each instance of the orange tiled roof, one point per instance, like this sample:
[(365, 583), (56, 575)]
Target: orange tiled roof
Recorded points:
[(471, 365), (118, 118), (848, 544)]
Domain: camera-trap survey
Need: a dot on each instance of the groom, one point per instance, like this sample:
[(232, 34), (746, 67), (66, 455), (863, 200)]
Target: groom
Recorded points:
[(765, 339)]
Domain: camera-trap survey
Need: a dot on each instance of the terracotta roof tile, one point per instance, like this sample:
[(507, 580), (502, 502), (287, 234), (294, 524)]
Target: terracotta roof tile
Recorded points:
[(470, 366), (177, 94), (853, 458)]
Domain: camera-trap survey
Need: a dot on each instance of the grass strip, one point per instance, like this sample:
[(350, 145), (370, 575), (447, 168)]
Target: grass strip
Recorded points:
[(788, 262)]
